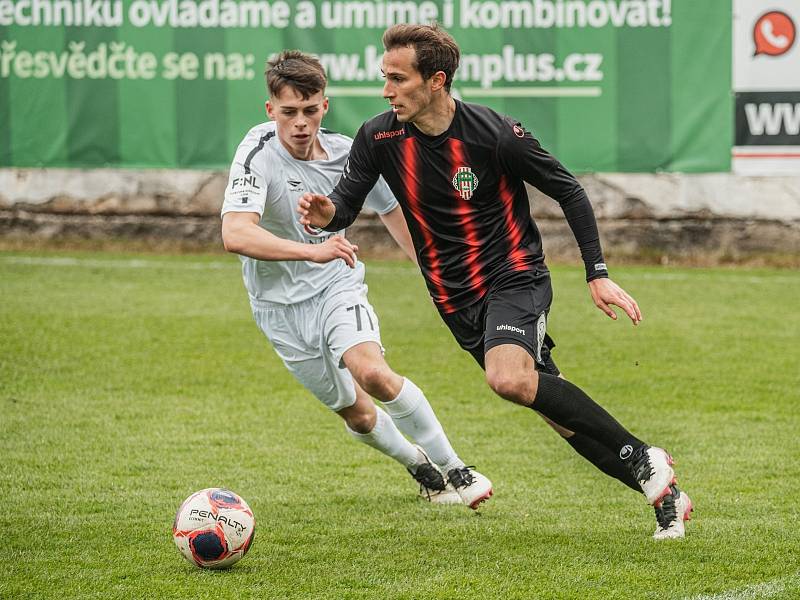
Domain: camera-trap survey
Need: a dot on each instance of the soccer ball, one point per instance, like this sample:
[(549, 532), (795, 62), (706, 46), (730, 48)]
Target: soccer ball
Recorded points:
[(214, 528)]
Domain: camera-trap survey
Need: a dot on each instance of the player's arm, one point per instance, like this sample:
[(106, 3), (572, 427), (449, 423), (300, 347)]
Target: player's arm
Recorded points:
[(524, 156), (381, 200), (249, 187), (242, 234), (338, 210), (395, 223)]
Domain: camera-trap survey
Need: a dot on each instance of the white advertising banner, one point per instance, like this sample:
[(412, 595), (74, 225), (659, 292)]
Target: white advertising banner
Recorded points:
[(766, 84)]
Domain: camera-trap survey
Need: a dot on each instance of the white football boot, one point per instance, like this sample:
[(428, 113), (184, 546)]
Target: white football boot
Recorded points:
[(432, 486), (473, 487), (675, 509), (652, 468)]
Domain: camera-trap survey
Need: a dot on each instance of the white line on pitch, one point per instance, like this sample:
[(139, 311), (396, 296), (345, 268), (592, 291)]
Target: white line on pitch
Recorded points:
[(64, 261), (372, 267), (768, 589)]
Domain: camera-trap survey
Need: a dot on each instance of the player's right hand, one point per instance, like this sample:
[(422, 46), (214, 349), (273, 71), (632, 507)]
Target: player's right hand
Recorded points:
[(316, 210), (333, 248), (605, 293)]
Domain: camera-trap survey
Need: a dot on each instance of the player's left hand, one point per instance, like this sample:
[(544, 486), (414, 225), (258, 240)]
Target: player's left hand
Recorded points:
[(606, 293), (316, 210)]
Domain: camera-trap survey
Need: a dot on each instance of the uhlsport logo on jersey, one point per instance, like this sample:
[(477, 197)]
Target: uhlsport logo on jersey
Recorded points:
[(384, 135), (465, 182), (773, 33)]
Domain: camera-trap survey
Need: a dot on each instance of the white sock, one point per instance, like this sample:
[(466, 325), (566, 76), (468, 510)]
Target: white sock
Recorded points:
[(387, 438), (414, 416)]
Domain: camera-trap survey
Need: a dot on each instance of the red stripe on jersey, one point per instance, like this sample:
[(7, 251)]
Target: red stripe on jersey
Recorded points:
[(410, 161), (466, 219), (517, 255)]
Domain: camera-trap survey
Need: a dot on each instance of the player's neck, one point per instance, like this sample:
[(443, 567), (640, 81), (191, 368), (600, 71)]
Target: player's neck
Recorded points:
[(436, 119), (314, 152)]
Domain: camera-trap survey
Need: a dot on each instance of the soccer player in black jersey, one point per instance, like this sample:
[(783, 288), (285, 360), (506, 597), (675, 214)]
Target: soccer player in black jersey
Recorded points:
[(458, 171)]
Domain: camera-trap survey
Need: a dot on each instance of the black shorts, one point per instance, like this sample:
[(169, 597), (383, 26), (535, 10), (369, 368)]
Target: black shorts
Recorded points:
[(513, 311)]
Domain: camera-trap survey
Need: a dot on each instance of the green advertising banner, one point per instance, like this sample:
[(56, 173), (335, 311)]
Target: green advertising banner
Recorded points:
[(607, 85)]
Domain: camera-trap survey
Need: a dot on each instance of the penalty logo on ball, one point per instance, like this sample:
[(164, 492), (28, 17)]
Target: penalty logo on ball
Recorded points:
[(214, 528)]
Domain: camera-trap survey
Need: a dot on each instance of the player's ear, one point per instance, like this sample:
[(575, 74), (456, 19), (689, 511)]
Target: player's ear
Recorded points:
[(325, 106), (270, 109), (438, 80)]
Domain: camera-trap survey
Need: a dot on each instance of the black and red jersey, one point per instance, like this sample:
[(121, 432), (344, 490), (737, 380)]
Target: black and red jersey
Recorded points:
[(463, 196)]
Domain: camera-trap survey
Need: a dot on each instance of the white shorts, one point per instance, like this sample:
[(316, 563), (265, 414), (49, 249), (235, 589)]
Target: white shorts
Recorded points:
[(311, 337)]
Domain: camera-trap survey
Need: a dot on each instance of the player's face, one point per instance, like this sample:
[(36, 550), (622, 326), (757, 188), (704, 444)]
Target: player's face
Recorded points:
[(297, 120), (408, 93)]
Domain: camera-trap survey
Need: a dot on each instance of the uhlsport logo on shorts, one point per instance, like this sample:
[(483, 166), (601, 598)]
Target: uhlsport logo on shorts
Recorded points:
[(465, 182), (506, 327), (626, 451)]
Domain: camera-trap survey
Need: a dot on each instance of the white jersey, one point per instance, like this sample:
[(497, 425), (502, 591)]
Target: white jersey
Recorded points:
[(265, 179)]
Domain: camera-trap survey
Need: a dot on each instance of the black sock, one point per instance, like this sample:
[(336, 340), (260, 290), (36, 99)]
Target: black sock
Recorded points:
[(567, 405), (602, 458)]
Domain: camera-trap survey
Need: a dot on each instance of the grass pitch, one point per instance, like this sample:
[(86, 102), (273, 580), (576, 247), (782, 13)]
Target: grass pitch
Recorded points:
[(127, 382)]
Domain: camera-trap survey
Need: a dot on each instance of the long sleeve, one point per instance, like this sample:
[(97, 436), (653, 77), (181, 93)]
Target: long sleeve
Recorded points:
[(358, 178), (523, 156)]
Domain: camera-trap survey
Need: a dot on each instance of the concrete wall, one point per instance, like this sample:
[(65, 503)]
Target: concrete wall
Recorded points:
[(705, 218)]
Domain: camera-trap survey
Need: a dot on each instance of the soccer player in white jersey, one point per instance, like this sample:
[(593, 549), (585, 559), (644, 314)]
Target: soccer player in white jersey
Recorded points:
[(306, 286)]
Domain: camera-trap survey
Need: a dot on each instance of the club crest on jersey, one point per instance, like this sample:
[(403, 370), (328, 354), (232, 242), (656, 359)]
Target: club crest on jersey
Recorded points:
[(465, 182)]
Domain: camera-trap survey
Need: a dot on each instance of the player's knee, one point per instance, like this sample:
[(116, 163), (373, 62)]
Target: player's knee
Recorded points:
[(374, 379), (508, 385), (360, 422)]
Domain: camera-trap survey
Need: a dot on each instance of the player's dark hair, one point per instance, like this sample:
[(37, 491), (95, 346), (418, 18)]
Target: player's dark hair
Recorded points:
[(436, 49), (298, 70)]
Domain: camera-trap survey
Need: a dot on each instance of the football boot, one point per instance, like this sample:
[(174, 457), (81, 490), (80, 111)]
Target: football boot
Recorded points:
[(652, 468), (473, 487), (432, 485), (672, 513)]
